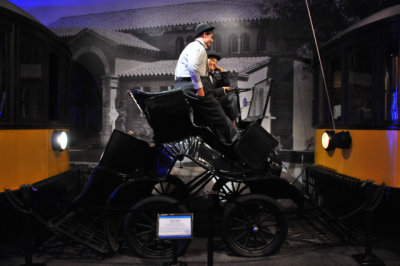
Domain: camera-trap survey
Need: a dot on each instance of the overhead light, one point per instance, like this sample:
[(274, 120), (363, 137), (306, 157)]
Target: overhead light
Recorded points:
[(59, 140), (332, 140)]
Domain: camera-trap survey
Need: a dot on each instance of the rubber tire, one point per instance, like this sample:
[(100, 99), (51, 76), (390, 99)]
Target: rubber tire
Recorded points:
[(145, 217), (250, 206)]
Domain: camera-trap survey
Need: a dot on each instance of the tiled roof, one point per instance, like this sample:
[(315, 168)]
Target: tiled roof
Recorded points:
[(167, 67), (161, 16), (124, 39), (157, 68), (119, 38), (243, 64), (67, 32)]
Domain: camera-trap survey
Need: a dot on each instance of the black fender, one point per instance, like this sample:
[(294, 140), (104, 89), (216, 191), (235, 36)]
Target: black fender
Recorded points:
[(277, 188), (120, 201)]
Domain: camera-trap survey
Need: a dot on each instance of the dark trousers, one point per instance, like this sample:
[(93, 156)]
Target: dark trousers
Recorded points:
[(208, 110), (229, 104)]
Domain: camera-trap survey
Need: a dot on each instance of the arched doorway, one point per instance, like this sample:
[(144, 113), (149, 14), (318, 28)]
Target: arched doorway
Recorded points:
[(86, 100)]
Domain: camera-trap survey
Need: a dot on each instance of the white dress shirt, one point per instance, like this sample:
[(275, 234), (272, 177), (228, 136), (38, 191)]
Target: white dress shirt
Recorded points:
[(193, 63)]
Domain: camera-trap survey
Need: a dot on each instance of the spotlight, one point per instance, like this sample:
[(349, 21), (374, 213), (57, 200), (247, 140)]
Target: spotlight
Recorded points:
[(59, 140), (332, 140)]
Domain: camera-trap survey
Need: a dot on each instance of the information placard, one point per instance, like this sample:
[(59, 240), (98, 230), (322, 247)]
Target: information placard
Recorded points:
[(173, 226)]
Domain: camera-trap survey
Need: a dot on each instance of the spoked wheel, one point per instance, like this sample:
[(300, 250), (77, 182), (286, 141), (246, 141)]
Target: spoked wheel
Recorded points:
[(229, 190), (254, 225), (172, 186), (140, 228)]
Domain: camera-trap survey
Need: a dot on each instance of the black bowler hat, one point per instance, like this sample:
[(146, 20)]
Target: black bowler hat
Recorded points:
[(211, 54), (202, 27)]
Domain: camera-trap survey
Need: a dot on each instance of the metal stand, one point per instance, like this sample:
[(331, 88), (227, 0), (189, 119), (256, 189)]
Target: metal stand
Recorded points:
[(212, 197), (367, 258), (175, 257), (26, 195)]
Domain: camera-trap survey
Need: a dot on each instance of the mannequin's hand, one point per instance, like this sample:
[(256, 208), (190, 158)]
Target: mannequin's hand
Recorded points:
[(219, 68), (200, 92)]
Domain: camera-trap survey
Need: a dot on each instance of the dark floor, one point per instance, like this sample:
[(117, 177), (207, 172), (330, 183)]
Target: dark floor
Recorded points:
[(309, 242)]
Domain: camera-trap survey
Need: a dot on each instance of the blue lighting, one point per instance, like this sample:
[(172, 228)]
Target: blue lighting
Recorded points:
[(395, 109), (48, 11), (244, 102), (165, 162), (41, 3), (3, 99), (175, 236), (114, 192)]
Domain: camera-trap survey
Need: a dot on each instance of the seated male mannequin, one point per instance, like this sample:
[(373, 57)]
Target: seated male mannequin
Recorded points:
[(220, 80)]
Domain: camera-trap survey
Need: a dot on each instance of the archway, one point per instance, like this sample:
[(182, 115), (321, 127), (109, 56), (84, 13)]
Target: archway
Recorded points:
[(86, 100)]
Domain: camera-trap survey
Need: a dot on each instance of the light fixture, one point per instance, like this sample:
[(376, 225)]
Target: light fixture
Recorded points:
[(59, 140), (332, 140)]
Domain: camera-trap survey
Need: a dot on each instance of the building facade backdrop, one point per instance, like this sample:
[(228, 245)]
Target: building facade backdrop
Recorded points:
[(138, 48)]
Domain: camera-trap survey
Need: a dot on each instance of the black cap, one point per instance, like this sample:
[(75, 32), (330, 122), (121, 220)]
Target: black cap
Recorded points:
[(202, 27), (211, 54)]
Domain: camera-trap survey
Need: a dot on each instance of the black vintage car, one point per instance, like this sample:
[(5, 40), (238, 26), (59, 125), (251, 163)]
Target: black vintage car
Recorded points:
[(133, 183)]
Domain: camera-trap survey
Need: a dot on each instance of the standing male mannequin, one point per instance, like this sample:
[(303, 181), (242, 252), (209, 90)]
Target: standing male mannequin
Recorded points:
[(191, 75)]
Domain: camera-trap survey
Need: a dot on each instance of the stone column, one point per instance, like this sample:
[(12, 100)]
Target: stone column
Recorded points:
[(109, 114), (281, 105)]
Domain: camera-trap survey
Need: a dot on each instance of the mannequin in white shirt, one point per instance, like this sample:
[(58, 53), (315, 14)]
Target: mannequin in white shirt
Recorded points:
[(191, 75)]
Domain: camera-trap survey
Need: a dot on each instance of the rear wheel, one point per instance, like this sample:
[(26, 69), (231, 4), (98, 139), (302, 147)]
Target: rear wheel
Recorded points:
[(229, 190), (140, 228), (172, 186), (254, 225)]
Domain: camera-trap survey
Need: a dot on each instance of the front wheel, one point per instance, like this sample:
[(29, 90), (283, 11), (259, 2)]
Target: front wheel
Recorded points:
[(140, 228), (254, 225)]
